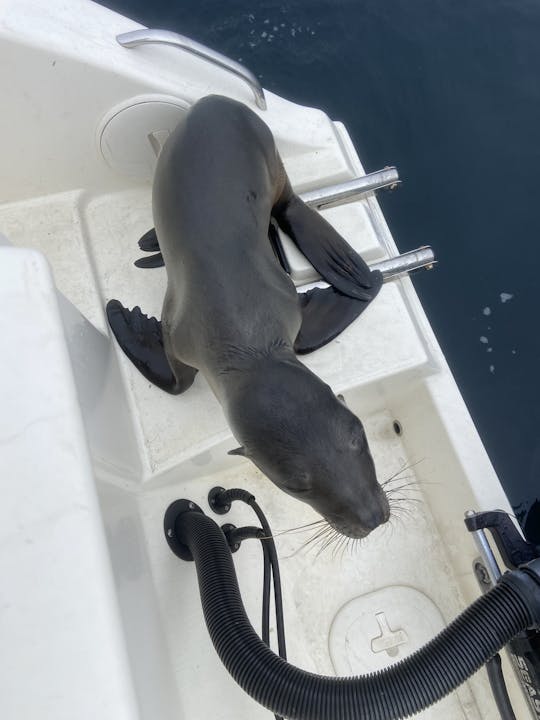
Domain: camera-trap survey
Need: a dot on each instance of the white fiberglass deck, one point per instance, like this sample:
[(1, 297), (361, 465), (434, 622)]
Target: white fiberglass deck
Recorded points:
[(136, 448), (174, 447)]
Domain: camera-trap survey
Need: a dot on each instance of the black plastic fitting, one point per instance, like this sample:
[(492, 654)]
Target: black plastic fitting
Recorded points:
[(397, 692), (235, 536), (220, 499)]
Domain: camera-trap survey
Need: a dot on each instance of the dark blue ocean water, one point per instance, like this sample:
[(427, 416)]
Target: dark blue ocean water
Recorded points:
[(450, 93)]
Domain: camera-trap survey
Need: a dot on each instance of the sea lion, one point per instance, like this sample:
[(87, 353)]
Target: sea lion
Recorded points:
[(232, 312)]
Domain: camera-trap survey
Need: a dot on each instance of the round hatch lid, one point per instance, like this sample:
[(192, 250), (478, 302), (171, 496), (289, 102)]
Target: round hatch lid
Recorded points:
[(376, 630), (132, 134)]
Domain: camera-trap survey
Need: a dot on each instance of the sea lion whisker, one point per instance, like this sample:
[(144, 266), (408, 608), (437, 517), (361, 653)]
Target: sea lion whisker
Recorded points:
[(409, 479), (398, 521), (398, 500), (339, 546), (321, 521), (402, 500), (403, 468), (387, 527), (322, 532), (328, 539), (317, 537), (406, 498), (399, 479), (395, 507), (343, 547), (403, 512), (412, 485), (391, 478), (331, 539), (300, 528), (318, 541), (358, 544), (403, 479), (327, 545), (310, 541)]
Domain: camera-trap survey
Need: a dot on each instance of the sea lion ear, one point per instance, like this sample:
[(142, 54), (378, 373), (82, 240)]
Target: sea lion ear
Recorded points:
[(358, 440), (238, 451)]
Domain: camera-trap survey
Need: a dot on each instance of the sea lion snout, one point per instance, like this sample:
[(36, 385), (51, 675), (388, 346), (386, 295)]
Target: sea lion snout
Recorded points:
[(377, 514), (359, 516)]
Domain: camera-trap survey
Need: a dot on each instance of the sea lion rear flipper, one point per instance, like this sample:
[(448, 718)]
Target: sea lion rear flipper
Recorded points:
[(325, 313), (326, 250), (141, 340), (149, 243), (151, 261)]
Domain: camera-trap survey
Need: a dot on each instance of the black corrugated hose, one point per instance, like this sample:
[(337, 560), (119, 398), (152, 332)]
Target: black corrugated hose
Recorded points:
[(397, 692)]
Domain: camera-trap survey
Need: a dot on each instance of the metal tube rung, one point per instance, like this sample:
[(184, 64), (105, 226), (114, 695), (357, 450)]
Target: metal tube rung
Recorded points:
[(422, 257), (346, 192)]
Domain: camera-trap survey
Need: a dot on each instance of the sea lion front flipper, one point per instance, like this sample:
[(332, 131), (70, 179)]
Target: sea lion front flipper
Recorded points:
[(141, 339), (325, 313), (149, 243), (326, 250)]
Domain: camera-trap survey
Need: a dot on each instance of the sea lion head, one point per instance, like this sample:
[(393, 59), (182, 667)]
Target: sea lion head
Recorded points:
[(309, 444)]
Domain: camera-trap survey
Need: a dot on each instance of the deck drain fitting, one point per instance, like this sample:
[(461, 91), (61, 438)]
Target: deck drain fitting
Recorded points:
[(216, 502), (170, 526)]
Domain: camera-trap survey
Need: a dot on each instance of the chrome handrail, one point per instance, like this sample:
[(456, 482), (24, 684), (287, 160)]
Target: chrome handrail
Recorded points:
[(166, 37), (346, 192), (407, 262)]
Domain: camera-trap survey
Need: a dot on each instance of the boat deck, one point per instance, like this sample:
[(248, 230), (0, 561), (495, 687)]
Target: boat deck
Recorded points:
[(335, 598), (95, 453)]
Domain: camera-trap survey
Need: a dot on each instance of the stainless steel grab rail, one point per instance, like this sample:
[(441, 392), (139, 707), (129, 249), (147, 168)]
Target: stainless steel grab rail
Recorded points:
[(166, 37), (407, 262), (349, 191)]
